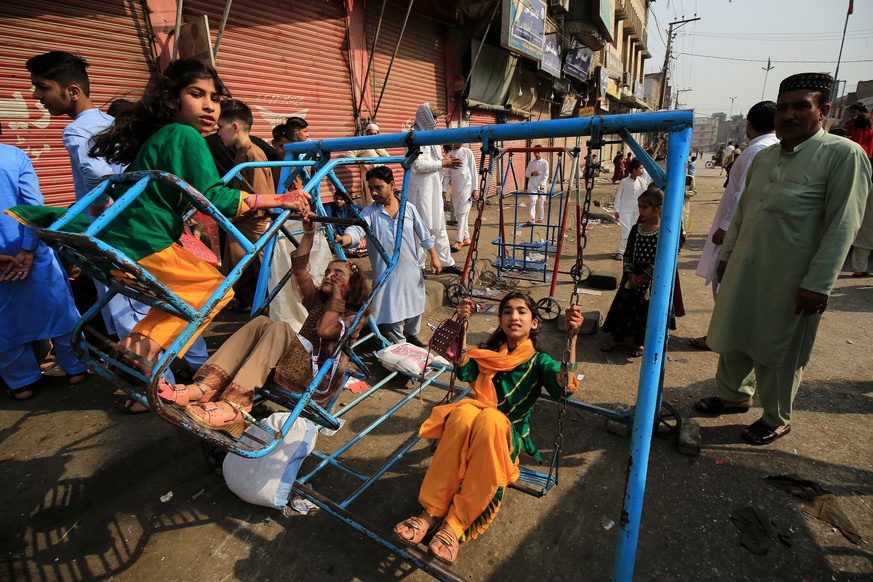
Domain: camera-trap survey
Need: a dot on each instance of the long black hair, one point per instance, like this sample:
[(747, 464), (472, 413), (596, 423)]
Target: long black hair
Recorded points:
[(121, 142), (499, 336)]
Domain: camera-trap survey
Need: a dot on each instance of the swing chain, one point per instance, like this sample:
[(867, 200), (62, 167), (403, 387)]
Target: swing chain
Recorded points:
[(484, 173)]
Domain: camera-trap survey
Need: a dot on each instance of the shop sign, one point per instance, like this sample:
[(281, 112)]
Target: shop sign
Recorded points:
[(524, 27)]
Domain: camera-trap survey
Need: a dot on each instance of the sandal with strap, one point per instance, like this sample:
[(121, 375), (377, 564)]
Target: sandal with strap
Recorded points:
[(446, 541), (178, 395), (233, 427), (419, 529), (716, 406), (759, 433)]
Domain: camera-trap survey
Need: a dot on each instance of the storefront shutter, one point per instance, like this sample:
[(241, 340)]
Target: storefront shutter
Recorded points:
[(108, 33)]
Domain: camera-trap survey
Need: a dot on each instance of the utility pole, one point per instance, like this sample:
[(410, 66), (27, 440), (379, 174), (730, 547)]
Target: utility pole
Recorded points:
[(677, 23), (840, 58), (731, 114), (678, 93), (767, 70)]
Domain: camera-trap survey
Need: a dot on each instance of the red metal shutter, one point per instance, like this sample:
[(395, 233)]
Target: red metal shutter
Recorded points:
[(106, 32), (419, 71), (285, 59)]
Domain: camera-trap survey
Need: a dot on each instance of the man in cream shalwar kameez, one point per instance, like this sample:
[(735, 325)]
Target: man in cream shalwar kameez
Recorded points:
[(802, 205)]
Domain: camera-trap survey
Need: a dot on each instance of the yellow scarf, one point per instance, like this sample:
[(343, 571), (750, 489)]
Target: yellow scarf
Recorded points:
[(491, 362)]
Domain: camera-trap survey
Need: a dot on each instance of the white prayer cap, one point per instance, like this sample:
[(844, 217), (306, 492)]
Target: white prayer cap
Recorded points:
[(372, 126)]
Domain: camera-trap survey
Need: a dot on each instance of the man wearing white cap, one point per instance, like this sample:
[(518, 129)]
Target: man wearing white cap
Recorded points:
[(371, 129), (801, 207)]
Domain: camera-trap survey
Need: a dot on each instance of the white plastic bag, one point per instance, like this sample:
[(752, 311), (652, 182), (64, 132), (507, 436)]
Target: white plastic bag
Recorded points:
[(268, 480)]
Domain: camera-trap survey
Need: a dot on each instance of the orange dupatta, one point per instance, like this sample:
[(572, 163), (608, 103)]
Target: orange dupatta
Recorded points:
[(490, 362)]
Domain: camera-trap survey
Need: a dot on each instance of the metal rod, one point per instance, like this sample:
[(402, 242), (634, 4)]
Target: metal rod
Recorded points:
[(178, 29), (641, 122), (221, 29), (650, 373)]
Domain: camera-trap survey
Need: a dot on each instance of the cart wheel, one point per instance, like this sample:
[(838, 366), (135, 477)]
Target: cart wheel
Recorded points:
[(668, 422), (455, 292), (549, 308), (581, 274)]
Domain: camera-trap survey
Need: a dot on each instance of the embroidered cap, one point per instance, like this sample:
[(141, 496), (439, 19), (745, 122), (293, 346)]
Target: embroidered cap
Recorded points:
[(810, 81), (372, 126)]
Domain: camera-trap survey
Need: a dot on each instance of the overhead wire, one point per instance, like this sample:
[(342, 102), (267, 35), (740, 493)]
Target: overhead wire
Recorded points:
[(772, 60)]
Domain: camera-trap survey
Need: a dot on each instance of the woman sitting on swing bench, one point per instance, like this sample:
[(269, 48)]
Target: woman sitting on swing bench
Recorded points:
[(244, 362), (481, 437)]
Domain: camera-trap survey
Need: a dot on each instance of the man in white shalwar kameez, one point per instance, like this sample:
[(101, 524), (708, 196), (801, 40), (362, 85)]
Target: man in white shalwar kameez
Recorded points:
[(626, 211), (801, 207), (399, 304), (464, 190), (426, 190), (759, 129)]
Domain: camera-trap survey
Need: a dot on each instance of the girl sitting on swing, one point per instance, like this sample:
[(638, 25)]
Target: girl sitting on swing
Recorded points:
[(244, 361), (164, 131), (481, 437)]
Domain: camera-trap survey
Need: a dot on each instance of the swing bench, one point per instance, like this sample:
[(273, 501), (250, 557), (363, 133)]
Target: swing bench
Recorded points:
[(125, 276)]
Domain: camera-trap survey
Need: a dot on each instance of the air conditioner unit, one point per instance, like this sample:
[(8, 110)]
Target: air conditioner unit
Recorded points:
[(626, 79), (559, 5)]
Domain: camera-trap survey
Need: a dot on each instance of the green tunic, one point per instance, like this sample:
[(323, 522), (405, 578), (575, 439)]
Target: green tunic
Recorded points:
[(793, 227), (517, 392), (153, 221)]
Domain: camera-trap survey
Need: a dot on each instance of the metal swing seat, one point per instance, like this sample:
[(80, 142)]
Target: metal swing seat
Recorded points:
[(125, 276), (121, 275)]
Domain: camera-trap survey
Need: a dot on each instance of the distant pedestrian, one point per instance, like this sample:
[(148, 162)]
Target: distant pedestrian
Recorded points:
[(465, 190), (537, 174), (626, 210), (371, 129), (618, 167), (801, 208)]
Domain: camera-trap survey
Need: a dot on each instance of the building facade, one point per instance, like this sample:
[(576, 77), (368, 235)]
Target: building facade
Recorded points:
[(340, 64)]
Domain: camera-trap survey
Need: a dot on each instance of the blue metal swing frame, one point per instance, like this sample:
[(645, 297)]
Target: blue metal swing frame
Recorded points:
[(100, 259)]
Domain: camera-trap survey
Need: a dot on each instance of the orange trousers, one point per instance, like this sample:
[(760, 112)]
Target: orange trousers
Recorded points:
[(193, 280), (471, 462)]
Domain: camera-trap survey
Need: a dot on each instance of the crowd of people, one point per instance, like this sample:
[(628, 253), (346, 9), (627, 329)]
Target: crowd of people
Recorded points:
[(794, 202)]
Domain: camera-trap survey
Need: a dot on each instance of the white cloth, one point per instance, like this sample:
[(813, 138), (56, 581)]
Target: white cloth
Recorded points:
[(728, 205), (629, 189), (463, 182), (426, 194), (287, 306), (402, 296)]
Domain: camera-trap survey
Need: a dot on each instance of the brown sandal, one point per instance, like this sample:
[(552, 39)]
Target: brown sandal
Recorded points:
[(419, 529), (233, 427), (445, 540)]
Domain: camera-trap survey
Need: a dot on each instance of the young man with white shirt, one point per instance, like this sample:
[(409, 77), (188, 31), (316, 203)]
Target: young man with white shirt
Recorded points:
[(537, 174), (626, 210)]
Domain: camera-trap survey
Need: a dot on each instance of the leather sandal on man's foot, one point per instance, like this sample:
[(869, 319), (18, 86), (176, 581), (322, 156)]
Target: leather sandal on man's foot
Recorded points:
[(699, 343), (716, 406), (759, 433)]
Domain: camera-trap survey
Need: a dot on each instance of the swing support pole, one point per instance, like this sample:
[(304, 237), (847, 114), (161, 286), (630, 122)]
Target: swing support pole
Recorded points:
[(648, 394)]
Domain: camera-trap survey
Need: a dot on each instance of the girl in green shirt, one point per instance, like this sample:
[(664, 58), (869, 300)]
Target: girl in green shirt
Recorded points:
[(163, 131)]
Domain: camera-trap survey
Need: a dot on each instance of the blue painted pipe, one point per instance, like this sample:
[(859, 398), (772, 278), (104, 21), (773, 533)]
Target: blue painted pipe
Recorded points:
[(650, 372), (640, 122)]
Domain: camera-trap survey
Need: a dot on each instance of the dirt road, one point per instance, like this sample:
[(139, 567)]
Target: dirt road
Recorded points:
[(93, 495)]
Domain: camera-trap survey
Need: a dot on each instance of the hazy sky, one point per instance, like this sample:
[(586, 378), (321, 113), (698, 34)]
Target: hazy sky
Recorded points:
[(753, 30)]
